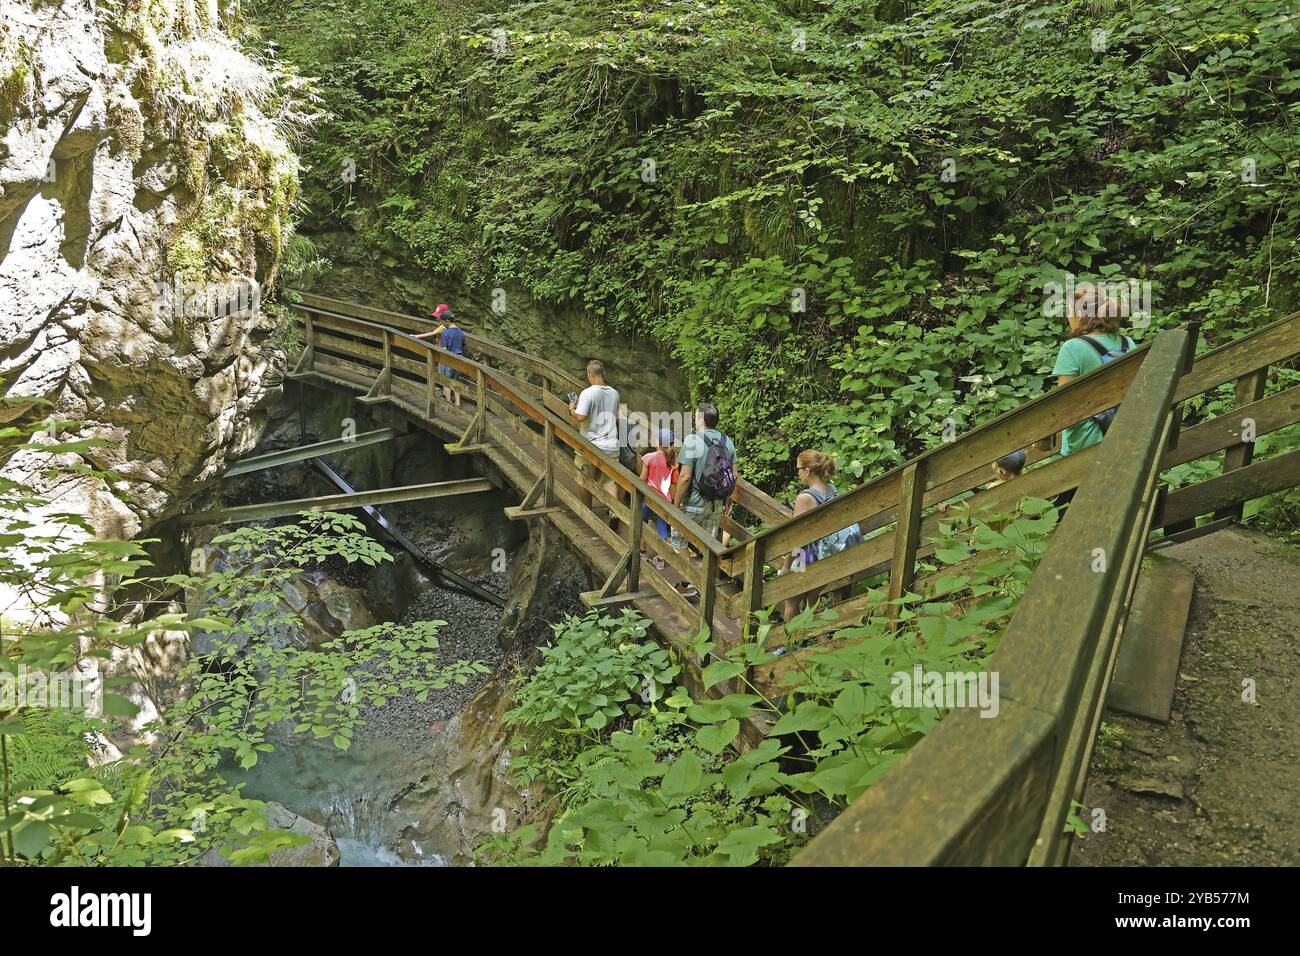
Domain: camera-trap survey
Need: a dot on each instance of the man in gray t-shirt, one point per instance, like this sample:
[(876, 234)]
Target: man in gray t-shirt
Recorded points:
[(596, 410)]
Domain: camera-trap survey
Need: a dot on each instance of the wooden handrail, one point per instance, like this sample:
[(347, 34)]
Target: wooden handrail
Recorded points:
[(996, 791), (944, 471), (950, 469), (1273, 343), (993, 789), (509, 388), (412, 323), (748, 495), (1098, 390)]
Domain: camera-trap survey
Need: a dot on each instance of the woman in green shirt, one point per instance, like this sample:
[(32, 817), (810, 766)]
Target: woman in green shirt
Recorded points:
[(1095, 338)]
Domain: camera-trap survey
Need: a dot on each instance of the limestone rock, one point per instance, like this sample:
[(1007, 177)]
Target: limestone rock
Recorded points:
[(468, 790), (141, 187), (1153, 786)]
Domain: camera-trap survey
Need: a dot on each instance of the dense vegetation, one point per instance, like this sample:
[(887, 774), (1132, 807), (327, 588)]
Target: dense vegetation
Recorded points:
[(67, 795), (838, 216), (642, 775)]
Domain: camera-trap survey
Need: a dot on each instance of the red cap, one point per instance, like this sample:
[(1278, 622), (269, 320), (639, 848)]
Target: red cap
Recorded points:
[(439, 309)]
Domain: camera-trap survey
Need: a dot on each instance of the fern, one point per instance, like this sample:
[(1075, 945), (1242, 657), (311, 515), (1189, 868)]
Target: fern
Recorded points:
[(48, 752)]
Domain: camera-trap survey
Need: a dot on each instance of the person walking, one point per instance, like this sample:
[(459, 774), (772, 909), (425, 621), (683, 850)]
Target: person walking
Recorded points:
[(596, 409), (1004, 469), (1095, 339), (451, 340), (436, 315), (705, 482), (815, 470), (659, 471)]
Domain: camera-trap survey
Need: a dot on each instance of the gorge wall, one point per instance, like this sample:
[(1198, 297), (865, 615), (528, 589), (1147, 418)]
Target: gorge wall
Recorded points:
[(146, 178)]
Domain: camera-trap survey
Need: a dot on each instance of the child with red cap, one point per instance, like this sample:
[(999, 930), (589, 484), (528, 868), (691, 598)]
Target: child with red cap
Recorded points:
[(437, 313)]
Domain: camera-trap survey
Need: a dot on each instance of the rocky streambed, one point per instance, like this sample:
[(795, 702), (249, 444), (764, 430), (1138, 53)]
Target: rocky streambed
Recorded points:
[(424, 781)]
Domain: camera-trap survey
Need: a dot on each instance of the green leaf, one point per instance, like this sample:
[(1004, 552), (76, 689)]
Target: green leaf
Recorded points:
[(809, 715), (715, 739), (115, 705), (88, 790), (32, 838), (718, 671), (683, 777)]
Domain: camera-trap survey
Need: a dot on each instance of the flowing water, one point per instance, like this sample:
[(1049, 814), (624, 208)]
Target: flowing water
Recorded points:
[(347, 791)]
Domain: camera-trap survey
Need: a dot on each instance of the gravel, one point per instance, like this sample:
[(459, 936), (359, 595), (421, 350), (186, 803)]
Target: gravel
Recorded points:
[(469, 634)]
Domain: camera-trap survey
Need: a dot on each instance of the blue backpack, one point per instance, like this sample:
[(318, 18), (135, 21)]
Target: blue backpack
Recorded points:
[(1104, 418), (836, 541)]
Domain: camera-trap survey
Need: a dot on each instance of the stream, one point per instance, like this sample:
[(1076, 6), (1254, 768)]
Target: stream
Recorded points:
[(350, 792)]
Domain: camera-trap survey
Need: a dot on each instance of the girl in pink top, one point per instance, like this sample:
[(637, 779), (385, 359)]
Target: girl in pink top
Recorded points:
[(659, 471)]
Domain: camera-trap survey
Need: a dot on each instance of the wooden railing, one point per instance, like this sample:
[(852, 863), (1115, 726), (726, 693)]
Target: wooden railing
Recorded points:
[(993, 791), (1054, 662), (899, 497), (998, 791), (553, 381), (529, 421), (896, 500)]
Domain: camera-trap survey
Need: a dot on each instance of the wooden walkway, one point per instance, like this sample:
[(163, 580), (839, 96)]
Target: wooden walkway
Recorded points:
[(1063, 638)]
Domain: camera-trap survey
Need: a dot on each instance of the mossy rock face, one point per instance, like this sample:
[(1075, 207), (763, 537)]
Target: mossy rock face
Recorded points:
[(145, 170), (17, 73)]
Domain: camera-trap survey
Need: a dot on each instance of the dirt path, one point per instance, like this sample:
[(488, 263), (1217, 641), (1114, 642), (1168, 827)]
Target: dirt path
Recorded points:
[(1220, 784)]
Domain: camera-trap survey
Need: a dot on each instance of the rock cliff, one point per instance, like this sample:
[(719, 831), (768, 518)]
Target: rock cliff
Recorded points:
[(146, 178)]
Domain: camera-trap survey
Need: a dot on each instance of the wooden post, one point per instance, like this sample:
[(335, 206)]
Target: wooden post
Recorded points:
[(1250, 388), (634, 554), (430, 384), (480, 389), (709, 589), (548, 464), (751, 599), (907, 534), (382, 386), (308, 357), (311, 340)]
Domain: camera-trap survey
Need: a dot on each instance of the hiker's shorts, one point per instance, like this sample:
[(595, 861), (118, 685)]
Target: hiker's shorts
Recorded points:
[(586, 468), (708, 517)]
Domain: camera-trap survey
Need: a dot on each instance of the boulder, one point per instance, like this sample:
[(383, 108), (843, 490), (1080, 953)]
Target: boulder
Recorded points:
[(322, 851), (467, 791)]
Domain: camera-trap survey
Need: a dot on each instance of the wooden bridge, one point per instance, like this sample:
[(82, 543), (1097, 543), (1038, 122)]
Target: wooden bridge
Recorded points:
[(972, 791)]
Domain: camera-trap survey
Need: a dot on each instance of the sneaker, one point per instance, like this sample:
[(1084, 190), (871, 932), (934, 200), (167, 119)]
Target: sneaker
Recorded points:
[(687, 590), (658, 563)]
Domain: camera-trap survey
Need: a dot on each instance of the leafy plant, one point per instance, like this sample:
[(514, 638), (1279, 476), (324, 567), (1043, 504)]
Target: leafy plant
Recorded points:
[(166, 804), (681, 786), (844, 240), (602, 670)]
